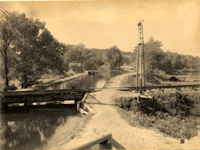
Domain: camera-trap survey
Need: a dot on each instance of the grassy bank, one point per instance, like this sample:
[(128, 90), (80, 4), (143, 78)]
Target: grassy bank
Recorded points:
[(129, 81), (175, 114), (161, 78)]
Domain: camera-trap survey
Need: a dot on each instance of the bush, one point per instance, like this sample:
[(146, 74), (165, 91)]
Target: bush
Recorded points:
[(125, 102), (76, 68), (175, 114), (173, 78), (151, 79), (10, 88), (178, 103)]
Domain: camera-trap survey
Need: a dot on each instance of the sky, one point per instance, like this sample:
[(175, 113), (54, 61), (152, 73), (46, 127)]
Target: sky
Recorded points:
[(103, 24)]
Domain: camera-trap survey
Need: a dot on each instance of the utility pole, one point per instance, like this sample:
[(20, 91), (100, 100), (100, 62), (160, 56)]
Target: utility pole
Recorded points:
[(141, 53), (143, 60), (137, 66)]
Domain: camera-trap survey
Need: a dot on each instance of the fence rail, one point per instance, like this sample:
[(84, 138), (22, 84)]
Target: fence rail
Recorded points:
[(105, 142)]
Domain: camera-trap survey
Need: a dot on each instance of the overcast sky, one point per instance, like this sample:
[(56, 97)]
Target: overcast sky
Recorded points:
[(104, 24)]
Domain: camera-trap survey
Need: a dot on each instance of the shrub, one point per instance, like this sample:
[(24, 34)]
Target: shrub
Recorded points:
[(173, 78), (151, 79), (76, 68), (178, 103), (10, 88), (125, 102), (175, 114)]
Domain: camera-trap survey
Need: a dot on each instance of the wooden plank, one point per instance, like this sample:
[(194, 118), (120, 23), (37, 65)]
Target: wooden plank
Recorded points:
[(59, 81), (154, 87), (8, 99), (36, 99), (94, 141), (64, 91)]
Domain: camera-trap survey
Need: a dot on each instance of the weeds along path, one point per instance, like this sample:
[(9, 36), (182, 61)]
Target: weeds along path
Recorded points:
[(106, 120)]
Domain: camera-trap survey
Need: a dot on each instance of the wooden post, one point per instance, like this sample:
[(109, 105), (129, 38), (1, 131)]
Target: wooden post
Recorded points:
[(140, 40), (104, 142), (143, 59), (141, 68), (137, 66)]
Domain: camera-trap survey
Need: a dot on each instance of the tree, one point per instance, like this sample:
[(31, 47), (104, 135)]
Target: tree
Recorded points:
[(8, 36), (77, 53), (92, 64), (114, 57), (37, 57), (177, 63), (193, 62), (33, 51), (153, 55), (125, 60)]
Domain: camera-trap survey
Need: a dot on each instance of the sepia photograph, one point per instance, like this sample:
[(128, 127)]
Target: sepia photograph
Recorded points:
[(88, 75)]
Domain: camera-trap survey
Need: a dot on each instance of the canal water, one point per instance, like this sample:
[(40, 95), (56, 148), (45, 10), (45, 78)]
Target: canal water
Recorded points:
[(85, 83), (23, 128)]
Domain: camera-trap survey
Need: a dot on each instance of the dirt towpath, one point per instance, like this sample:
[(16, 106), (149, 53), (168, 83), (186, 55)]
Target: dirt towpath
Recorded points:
[(107, 120)]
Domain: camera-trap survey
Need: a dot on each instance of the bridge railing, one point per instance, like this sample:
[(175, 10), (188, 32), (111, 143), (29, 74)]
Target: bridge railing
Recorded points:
[(104, 142)]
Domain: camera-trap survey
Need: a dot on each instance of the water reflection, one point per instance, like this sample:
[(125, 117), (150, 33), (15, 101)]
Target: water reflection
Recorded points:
[(86, 82), (30, 130), (80, 83)]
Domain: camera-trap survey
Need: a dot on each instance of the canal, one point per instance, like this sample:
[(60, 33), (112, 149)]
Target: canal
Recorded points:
[(33, 128)]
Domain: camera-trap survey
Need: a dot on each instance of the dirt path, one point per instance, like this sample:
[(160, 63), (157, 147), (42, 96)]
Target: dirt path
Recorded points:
[(106, 120), (115, 82)]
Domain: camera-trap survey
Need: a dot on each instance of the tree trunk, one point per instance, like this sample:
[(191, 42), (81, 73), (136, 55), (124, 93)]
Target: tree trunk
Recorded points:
[(81, 66), (24, 81), (6, 68)]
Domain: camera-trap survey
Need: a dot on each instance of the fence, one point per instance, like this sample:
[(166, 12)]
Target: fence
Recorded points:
[(105, 142)]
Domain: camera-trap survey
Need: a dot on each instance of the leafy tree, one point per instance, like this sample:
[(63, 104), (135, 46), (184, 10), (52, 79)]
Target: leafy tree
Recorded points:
[(8, 34), (176, 63), (153, 55), (92, 64), (34, 50), (76, 68), (166, 64), (156, 59), (125, 60), (193, 62), (77, 53), (37, 57), (114, 57)]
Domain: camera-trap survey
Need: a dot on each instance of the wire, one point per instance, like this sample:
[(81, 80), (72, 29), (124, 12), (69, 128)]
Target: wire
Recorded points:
[(132, 47), (182, 50)]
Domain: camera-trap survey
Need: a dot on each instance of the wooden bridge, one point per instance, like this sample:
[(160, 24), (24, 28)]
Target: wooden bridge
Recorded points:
[(28, 97), (38, 93)]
